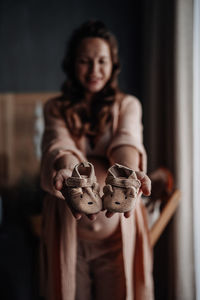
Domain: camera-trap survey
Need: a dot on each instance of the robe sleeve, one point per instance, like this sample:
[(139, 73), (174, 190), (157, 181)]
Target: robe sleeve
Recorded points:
[(57, 142), (129, 131)]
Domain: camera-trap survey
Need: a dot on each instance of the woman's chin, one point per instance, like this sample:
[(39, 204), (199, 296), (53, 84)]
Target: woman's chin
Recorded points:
[(94, 89)]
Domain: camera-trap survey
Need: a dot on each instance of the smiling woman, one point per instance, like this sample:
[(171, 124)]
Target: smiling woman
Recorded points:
[(94, 124)]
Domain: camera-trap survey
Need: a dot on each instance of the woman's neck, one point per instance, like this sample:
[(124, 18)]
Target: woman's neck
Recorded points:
[(88, 97)]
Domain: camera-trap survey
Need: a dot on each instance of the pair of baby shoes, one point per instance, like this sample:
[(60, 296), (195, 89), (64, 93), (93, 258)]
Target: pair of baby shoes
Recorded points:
[(120, 191)]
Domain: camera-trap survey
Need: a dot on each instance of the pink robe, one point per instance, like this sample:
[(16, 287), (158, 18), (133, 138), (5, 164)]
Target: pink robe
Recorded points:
[(59, 244)]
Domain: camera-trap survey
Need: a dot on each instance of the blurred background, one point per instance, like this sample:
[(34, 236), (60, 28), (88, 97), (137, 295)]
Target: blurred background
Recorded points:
[(159, 52)]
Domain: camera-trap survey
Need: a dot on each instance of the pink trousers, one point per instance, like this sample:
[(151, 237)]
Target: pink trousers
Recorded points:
[(100, 269)]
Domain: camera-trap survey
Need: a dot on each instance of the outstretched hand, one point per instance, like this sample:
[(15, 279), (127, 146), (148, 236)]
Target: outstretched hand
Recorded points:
[(59, 185), (145, 189)]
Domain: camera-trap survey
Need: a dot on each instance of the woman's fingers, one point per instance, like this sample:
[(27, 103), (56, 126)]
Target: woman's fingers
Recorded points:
[(127, 214), (60, 177), (145, 183), (58, 181), (58, 184), (77, 216), (92, 217), (109, 214)]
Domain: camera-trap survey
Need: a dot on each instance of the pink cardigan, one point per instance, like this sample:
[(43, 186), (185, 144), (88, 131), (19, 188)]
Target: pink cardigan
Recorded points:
[(59, 235)]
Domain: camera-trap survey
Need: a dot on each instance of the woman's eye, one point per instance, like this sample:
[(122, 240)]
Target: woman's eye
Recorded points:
[(102, 62), (83, 61)]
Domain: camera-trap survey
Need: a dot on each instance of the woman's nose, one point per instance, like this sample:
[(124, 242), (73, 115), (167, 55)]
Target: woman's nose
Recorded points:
[(94, 67)]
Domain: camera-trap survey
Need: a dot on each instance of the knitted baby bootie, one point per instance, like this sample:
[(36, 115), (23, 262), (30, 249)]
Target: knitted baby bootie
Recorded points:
[(121, 189), (83, 189)]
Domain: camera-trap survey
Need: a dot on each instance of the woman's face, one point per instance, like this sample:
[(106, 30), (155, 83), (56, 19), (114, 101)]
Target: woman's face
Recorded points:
[(93, 64)]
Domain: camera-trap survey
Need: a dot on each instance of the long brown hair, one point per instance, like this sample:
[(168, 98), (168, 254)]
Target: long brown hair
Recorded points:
[(75, 113)]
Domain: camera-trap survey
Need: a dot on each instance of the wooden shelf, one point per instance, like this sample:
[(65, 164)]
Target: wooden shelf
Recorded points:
[(166, 214)]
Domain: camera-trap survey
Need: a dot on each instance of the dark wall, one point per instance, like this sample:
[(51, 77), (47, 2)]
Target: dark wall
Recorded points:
[(33, 35)]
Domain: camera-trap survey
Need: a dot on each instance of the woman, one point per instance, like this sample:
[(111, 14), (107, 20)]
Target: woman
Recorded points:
[(104, 255)]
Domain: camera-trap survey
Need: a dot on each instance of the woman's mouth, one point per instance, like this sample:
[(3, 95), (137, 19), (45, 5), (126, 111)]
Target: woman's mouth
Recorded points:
[(93, 80)]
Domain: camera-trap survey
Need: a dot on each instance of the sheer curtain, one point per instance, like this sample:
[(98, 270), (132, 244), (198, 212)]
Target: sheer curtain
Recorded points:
[(183, 231), (167, 94), (196, 142)]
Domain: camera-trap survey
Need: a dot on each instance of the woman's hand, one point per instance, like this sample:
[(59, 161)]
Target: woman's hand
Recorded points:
[(145, 189), (60, 178), (59, 185)]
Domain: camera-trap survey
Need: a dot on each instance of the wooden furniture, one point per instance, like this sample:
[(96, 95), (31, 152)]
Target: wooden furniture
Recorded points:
[(165, 216), (20, 124)]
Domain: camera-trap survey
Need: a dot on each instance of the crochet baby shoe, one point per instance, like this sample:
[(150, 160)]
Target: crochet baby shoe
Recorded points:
[(121, 189), (83, 189)]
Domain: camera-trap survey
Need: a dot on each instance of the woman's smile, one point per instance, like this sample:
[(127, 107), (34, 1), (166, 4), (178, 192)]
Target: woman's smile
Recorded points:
[(93, 81)]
